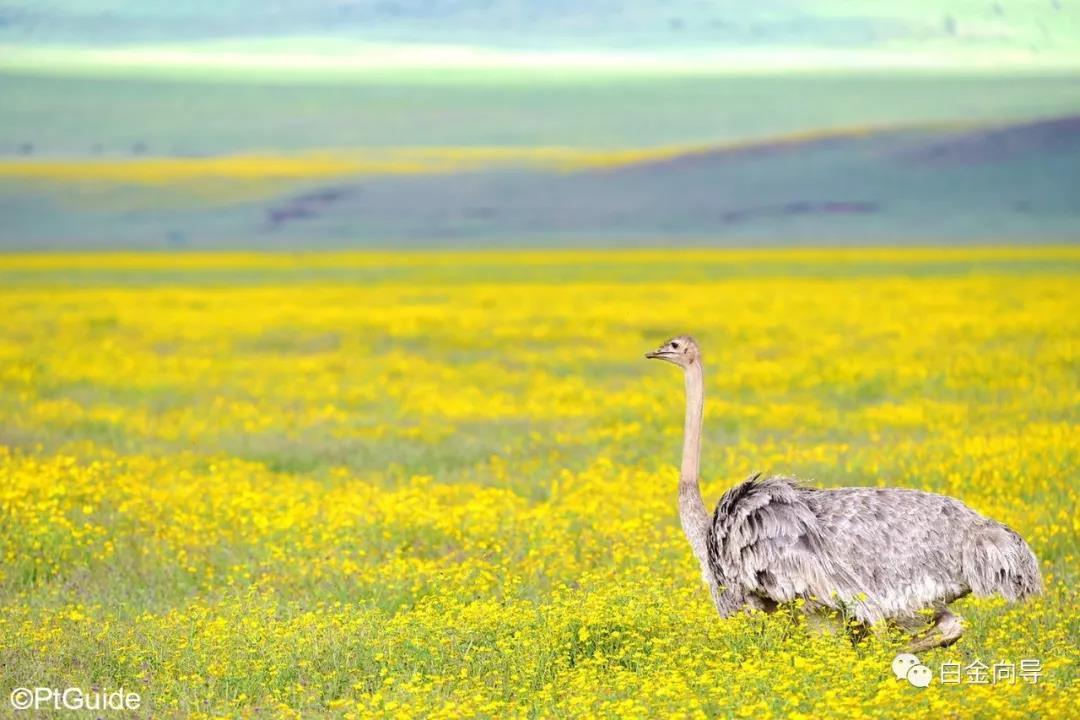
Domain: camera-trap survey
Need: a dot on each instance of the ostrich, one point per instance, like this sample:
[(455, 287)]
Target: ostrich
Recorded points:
[(879, 554)]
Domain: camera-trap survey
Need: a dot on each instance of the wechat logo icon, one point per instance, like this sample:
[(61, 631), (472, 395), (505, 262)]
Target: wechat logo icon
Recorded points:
[(906, 666)]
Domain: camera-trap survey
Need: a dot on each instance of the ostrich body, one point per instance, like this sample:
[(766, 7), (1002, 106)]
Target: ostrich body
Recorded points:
[(879, 554)]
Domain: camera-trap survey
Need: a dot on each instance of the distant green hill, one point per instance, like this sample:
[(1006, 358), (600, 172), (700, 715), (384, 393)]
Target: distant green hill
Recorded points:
[(122, 116), (1016, 183)]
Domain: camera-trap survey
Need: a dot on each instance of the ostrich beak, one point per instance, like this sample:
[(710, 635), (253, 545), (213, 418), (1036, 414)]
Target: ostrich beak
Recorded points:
[(652, 355)]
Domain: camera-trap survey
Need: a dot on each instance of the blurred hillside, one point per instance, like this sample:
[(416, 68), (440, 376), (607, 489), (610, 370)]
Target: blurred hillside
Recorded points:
[(289, 124), (1014, 183), (119, 117)]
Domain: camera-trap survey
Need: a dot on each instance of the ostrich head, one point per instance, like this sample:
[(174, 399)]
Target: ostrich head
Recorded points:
[(680, 350)]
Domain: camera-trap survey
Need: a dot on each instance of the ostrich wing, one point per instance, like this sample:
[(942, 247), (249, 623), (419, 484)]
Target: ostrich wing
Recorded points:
[(767, 542)]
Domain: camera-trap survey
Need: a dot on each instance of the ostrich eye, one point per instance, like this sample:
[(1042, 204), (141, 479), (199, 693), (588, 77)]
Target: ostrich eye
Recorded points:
[(675, 346)]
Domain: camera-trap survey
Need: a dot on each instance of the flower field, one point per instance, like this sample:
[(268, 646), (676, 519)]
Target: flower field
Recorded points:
[(443, 485)]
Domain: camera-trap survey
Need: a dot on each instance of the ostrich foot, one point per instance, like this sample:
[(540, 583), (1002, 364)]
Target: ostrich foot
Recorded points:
[(946, 630)]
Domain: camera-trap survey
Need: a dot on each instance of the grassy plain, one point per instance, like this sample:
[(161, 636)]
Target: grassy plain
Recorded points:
[(188, 115), (442, 485)]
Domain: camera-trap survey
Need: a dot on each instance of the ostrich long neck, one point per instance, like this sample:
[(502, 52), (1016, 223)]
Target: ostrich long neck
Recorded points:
[(692, 512)]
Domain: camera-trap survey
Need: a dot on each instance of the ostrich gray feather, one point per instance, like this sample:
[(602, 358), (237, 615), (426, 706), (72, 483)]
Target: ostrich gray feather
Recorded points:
[(881, 553)]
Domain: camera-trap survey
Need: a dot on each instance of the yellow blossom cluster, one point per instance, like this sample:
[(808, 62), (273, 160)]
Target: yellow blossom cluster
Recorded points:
[(442, 485)]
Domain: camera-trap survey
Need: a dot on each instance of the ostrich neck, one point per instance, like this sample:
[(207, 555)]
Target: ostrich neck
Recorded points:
[(692, 513)]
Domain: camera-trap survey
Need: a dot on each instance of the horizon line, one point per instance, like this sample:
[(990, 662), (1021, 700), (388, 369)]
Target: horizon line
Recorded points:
[(342, 60)]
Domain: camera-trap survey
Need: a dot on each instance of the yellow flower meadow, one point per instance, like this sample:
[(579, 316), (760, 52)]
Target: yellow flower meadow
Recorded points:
[(442, 485)]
